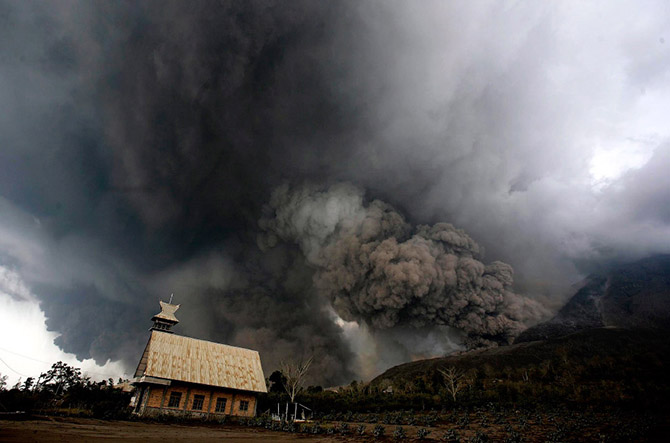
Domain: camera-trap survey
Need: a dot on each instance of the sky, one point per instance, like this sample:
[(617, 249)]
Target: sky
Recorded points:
[(368, 182), (28, 349)]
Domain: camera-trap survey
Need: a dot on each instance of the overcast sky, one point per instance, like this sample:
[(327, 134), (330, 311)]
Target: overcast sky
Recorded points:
[(141, 145)]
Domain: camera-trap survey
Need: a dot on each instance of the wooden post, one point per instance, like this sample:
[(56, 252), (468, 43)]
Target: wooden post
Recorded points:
[(163, 398), (188, 392), (209, 405), (255, 405), (146, 399), (140, 399), (232, 404)]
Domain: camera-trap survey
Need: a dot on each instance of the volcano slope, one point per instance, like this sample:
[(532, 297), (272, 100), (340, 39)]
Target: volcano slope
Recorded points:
[(635, 295), (607, 346)]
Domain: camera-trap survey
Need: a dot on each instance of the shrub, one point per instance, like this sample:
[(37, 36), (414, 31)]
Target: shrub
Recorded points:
[(360, 430), (451, 436), (464, 421), (399, 433), (378, 431), (422, 433)]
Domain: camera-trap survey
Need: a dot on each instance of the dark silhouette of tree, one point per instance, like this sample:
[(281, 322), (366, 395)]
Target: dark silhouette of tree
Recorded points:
[(60, 378), (28, 384), (277, 382)]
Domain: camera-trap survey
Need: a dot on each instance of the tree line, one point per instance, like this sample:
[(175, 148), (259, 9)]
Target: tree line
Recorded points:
[(63, 389)]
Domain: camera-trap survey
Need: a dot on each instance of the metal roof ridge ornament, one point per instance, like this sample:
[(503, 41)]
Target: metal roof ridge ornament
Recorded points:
[(164, 320)]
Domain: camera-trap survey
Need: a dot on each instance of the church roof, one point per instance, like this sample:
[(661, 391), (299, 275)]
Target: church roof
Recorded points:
[(175, 357)]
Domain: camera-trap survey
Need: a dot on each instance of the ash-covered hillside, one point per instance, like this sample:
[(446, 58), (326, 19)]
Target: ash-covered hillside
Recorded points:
[(635, 295), (607, 346)]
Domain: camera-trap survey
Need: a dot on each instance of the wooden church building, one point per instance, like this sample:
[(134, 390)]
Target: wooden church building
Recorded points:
[(183, 375)]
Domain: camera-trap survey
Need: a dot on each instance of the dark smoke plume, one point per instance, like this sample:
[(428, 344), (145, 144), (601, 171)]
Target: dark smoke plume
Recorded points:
[(156, 132), (374, 267), (140, 141)]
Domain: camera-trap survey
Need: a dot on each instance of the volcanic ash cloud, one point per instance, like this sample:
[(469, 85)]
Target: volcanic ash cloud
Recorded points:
[(375, 268)]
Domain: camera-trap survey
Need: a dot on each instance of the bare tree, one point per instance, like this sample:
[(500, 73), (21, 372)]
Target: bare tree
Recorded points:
[(295, 372), (455, 380)]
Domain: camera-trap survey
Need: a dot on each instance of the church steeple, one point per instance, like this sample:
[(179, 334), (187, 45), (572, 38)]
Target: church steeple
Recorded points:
[(165, 320)]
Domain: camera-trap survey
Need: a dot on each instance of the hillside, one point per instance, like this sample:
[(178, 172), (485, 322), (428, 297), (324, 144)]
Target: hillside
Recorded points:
[(608, 344), (619, 345), (604, 366), (631, 296)]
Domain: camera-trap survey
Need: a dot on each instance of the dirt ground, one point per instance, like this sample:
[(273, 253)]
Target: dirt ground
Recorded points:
[(539, 429), (56, 429)]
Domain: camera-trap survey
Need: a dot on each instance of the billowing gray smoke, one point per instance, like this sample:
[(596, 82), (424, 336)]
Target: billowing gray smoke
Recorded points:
[(374, 267), (139, 142)]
